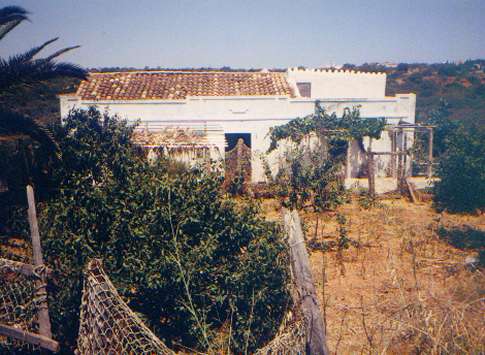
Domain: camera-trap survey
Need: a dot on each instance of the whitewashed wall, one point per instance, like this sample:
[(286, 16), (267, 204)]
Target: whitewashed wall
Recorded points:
[(255, 115), (340, 83)]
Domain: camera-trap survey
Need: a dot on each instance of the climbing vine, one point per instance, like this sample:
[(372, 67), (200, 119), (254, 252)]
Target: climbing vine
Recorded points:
[(349, 126), (311, 172)]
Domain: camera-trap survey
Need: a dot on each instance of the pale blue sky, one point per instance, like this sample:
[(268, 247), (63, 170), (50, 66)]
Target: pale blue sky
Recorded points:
[(247, 33)]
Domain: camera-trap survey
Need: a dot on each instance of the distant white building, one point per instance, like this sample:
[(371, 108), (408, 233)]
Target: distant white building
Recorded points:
[(246, 105)]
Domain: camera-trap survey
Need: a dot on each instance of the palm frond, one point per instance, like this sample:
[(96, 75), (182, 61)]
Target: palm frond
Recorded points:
[(15, 72), (22, 70), (7, 27), (12, 10), (61, 52), (12, 123), (11, 17), (30, 54)]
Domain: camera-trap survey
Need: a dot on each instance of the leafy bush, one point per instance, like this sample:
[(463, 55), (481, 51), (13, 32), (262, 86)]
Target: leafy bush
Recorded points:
[(236, 186), (444, 128), (187, 260), (313, 166), (462, 173), (367, 201), (304, 177)]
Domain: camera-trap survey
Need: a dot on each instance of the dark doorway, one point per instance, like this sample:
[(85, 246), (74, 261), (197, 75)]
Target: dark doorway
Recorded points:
[(238, 162), (232, 138)]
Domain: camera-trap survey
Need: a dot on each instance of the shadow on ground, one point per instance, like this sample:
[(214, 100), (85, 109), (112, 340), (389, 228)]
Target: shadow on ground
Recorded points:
[(465, 237)]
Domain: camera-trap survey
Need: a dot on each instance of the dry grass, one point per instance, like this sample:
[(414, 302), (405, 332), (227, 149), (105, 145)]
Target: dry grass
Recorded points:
[(403, 290)]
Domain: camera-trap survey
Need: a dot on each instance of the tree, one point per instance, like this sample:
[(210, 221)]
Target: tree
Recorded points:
[(23, 71), (313, 171), (444, 127), (189, 261), (461, 170)]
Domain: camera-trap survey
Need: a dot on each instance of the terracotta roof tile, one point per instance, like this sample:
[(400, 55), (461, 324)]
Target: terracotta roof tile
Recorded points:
[(179, 85)]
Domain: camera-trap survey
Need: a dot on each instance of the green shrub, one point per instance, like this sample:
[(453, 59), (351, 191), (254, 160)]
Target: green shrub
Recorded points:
[(312, 171), (462, 173), (443, 131), (236, 186), (189, 261), (305, 178), (367, 201)]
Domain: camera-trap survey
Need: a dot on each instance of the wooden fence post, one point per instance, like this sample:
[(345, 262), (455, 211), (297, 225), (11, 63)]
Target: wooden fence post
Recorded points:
[(41, 292), (315, 327)]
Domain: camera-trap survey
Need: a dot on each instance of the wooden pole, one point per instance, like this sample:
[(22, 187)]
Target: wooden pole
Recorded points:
[(405, 157), (430, 153), (393, 151), (371, 174), (28, 337), (41, 292), (348, 168), (20, 267), (400, 159), (411, 190), (306, 295), (370, 170)]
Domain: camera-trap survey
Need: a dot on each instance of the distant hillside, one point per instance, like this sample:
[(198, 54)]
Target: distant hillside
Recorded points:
[(41, 102), (461, 85)]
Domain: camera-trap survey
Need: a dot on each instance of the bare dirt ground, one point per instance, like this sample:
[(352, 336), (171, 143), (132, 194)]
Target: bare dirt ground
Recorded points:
[(398, 288)]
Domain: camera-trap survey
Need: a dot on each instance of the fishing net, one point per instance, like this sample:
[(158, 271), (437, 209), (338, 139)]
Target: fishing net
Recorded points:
[(107, 324), (291, 336), (289, 341), (19, 301)]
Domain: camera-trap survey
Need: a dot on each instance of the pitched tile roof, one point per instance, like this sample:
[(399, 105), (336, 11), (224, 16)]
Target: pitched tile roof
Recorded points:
[(178, 85)]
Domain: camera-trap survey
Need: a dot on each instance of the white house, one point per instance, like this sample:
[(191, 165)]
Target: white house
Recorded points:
[(231, 105)]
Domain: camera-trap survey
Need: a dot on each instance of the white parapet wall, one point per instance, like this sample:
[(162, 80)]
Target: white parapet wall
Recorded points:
[(344, 84)]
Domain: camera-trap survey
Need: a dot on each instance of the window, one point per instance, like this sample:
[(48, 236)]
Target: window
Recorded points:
[(305, 89)]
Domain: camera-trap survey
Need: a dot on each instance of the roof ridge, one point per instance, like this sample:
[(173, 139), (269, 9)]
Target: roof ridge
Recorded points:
[(178, 85), (184, 72)]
